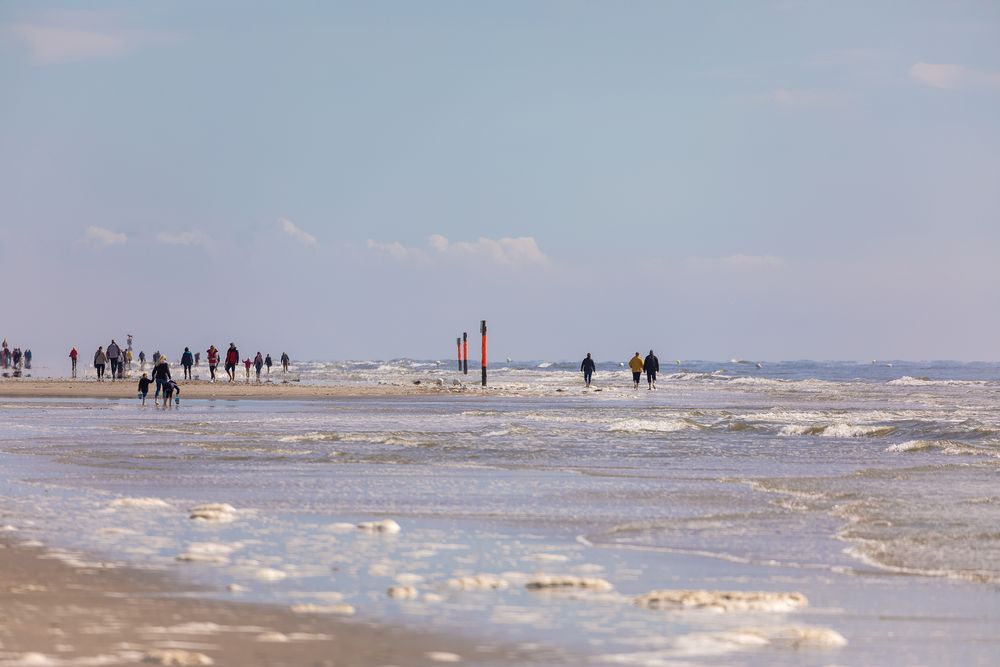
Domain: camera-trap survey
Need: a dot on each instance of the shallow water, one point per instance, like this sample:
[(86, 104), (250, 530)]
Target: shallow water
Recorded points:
[(872, 490)]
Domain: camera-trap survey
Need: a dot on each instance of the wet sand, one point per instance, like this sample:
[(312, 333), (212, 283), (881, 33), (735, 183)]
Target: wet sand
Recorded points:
[(54, 613), (200, 389)]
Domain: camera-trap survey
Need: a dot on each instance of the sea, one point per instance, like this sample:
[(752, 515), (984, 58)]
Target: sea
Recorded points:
[(742, 513)]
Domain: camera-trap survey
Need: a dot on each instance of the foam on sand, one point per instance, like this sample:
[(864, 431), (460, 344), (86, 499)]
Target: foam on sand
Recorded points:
[(175, 656), (567, 582), (403, 592), (443, 656), (269, 574), (140, 503), (387, 526), (337, 609), (207, 552), (726, 642), (214, 512), (722, 601), (478, 582)]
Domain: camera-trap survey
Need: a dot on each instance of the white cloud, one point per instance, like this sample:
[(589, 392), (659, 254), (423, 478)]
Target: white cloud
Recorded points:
[(953, 77), (69, 36), (508, 251), (293, 230), (100, 236), (182, 238)]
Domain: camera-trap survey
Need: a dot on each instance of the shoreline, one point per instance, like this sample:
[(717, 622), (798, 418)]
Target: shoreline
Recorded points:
[(202, 389), (55, 611)]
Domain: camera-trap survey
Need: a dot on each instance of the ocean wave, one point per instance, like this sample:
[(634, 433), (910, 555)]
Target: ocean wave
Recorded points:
[(838, 430), (949, 447), (653, 425), (909, 381)]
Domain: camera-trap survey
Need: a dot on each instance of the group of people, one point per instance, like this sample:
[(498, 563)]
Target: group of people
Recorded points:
[(121, 360), (650, 365), (163, 381), (14, 358), (233, 360)]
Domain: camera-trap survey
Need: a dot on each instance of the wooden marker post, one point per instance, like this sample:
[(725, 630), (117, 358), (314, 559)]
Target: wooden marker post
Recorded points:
[(465, 352), (458, 344), (482, 330)]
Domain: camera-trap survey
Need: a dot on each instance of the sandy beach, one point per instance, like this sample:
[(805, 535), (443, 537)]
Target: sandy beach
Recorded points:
[(54, 613), (126, 389)]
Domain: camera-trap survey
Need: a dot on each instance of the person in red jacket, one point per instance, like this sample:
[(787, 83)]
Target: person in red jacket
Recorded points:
[(213, 360), (73, 355), (248, 364), (232, 358)]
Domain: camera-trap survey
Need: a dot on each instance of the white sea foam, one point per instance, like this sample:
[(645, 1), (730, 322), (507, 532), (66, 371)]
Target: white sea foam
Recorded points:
[(723, 601), (478, 582), (837, 430), (140, 503), (387, 526), (652, 425), (568, 581)]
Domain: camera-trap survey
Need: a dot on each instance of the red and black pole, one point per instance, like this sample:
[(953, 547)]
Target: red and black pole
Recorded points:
[(465, 352), (482, 330), (458, 344)]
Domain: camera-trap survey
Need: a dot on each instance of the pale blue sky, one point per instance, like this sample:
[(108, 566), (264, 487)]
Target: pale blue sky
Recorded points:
[(765, 180)]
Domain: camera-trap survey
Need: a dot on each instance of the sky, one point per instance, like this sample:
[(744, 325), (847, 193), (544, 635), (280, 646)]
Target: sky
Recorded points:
[(793, 179)]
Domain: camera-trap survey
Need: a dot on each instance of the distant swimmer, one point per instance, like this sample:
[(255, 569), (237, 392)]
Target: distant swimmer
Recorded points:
[(636, 365), (588, 366), (73, 354), (232, 358), (652, 366), (213, 360), (187, 361), (100, 361), (284, 361)]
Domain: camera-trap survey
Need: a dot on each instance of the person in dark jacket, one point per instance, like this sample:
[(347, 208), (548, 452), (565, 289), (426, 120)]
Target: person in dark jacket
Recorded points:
[(652, 366), (161, 375), (144, 383), (268, 363), (284, 361), (588, 366), (187, 360), (170, 388), (232, 358)]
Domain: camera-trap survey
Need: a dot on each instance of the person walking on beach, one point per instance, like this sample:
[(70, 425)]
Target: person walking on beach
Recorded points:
[(128, 359), (588, 366), (197, 358), (100, 361), (142, 360), (144, 383), (248, 364), (156, 357), (73, 354), (268, 363), (232, 358), (114, 354), (652, 366), (213, 360), (161, 375), (636, 365), (27, 358), (187, 360), (284, 361), (258, 363)]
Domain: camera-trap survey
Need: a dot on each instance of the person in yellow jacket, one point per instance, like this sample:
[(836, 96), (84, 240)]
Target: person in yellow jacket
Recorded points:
[(637, 366)]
